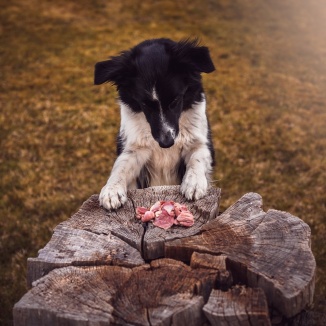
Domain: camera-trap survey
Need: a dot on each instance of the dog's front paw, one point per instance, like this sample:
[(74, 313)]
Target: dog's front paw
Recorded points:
[(194, 186), (112, 196)]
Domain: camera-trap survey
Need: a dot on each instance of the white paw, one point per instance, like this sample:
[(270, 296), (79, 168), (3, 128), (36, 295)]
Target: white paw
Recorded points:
[(112, 196), (194, 185)]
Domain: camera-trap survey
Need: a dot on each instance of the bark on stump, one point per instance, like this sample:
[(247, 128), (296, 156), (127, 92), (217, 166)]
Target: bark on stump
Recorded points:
[(103, 268)]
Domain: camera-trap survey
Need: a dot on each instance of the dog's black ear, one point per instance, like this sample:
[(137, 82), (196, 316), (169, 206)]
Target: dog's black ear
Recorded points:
[(112, 70), (201, 59), (104, 72), (190, 53)]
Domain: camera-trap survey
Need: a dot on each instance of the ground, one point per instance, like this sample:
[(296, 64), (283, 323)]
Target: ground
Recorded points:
[(266, 104)]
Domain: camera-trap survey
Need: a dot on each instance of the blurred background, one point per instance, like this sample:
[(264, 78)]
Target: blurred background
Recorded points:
[(266, 104)]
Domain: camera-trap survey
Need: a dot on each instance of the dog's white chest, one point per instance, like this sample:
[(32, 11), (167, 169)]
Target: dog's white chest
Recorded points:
[(163, 165)]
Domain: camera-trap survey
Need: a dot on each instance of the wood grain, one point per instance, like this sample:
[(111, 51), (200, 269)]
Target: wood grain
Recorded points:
[(240, 306), (74, 247), (267, 250), (203, 210), (164, 292), (102, 268)]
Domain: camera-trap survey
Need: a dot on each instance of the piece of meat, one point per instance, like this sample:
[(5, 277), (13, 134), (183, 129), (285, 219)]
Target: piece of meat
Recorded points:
[(178, 208), (158, 213), (168, 207), (185, 218), (164, 214), (149, 215), (164, 220), (140, 211), (157, 206)]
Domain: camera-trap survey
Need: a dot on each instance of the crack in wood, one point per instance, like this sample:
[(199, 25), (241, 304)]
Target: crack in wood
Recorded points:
[(242, 245), (145, 226)]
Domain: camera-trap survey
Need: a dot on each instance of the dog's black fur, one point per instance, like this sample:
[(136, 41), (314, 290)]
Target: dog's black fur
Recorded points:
[(159, 79)]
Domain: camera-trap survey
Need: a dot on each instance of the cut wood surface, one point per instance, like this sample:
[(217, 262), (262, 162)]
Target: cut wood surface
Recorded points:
[(164, 292), (223, 277), (268, 250), (73, 247), (102, 267), (95, 236), (237, 307), (203, 210)]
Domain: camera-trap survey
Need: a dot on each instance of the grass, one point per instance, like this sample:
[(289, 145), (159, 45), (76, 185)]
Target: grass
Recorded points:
[(266, 103)]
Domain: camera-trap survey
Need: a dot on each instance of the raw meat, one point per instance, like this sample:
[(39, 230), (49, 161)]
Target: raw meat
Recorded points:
[(185, 218), (140, 211), (164, 214), (149, 215), (164, 220)]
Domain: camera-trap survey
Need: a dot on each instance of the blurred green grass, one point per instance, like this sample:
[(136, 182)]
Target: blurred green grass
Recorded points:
[(266, 103)]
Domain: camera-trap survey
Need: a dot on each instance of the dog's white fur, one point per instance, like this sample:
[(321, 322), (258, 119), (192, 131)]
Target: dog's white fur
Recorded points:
[(140, 149)]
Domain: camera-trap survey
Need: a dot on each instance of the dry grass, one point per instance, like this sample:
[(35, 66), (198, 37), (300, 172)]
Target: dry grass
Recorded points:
[(57, 131)]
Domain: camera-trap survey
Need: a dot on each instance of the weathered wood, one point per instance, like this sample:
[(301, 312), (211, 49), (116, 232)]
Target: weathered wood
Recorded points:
[(121, 223), (267, 250), (94, 236), (100, 276), (240, 306), (203, 210), (208, 261), (73, 247), (224, 277), (164, 292)]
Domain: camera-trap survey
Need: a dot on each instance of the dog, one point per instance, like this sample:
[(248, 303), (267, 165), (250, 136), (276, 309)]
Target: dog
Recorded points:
[(164, 137)]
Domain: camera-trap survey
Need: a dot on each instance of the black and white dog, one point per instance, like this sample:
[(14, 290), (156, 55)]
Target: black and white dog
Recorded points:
[(164, 137)]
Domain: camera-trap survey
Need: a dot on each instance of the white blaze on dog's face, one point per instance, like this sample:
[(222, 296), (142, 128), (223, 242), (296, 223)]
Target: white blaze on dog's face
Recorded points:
[(167, 131), (160, 78), (162, 108)]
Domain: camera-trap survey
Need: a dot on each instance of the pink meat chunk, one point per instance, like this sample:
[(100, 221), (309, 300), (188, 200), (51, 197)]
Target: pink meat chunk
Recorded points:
[(186, 219), (149, 215), (157, 206), (180, 208), (164, 214), (164, 220), (169, 208), (140, 211)]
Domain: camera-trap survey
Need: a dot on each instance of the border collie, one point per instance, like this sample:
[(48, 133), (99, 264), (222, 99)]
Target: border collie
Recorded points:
[(164, 136)]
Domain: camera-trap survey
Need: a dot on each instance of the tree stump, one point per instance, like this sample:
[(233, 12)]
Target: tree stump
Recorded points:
[(103, 268)]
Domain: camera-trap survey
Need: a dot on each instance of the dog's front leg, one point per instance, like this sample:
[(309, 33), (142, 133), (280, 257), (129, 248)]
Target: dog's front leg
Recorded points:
[(198, 168), (125, 170)]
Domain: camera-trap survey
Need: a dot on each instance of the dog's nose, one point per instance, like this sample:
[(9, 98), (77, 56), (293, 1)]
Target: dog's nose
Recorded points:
[(166, 141)]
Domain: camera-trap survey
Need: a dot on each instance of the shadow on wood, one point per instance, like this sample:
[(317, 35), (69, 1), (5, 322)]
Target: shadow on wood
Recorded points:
[(105, 267)]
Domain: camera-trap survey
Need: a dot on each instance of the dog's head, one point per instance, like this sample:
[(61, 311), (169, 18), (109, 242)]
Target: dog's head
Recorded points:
[(160, 78)]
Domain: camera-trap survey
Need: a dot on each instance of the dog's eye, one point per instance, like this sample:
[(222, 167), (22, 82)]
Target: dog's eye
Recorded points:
[(149, 104)]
